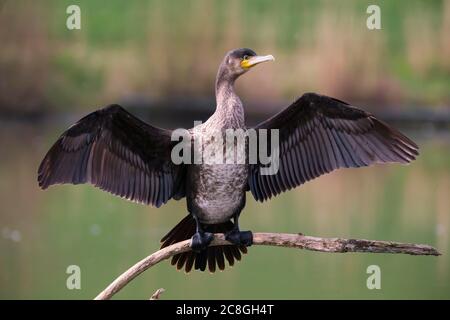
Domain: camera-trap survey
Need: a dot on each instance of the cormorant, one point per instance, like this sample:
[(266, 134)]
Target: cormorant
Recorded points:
[(115, 151)]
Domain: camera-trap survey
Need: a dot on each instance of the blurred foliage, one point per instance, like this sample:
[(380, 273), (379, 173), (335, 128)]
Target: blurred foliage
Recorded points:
[(162, 48)]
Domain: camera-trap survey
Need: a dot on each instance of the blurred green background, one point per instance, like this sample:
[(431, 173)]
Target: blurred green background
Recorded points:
[(144, 53)]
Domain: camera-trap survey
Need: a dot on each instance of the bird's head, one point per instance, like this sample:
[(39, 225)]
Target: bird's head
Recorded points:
[(239, 61)]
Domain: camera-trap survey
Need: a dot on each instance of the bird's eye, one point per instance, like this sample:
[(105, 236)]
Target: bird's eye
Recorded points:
[(245, 57)]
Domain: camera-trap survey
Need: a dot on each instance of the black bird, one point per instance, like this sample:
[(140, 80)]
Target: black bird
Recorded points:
[(117, 152)]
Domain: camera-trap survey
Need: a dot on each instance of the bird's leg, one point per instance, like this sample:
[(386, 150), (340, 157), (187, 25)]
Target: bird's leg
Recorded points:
[(201, 239), (238, 237)]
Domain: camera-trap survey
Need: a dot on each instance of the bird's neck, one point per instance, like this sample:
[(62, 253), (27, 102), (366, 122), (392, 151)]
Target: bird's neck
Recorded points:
[(228, 105)]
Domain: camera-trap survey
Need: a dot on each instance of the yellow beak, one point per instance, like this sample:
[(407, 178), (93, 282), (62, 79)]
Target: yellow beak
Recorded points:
[(253, 61)]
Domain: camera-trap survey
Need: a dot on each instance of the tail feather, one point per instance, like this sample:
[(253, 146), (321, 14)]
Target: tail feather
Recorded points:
[(212, 257)]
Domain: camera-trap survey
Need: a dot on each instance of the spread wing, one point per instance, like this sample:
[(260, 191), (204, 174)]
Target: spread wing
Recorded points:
[(318, 134), (117, 152)]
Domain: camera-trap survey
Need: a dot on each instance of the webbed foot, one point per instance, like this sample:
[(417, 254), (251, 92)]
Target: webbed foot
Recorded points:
[(240, 238), (201, 240)]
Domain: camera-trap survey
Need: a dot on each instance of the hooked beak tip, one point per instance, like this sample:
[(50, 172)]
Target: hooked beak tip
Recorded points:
[(253, 61)]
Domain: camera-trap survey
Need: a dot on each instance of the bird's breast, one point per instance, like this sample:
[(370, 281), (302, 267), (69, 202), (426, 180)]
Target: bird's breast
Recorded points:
[(219, 191), (218, 186)]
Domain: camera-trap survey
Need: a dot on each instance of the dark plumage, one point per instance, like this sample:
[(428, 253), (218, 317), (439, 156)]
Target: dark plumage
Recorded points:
[(115, 151), (319, 134)]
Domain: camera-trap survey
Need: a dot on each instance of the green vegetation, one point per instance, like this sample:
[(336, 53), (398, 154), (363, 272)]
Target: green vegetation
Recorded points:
[(156, 48), (164, 48)]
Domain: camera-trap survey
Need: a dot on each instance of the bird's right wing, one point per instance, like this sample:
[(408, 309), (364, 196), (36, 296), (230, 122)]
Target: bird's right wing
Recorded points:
[(319, 134), (117, 152)]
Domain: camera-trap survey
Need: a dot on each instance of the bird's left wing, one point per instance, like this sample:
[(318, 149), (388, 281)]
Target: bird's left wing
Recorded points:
[(318, 134), (117, 152)]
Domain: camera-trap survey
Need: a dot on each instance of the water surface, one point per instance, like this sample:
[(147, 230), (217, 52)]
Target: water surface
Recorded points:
[(42, 233)]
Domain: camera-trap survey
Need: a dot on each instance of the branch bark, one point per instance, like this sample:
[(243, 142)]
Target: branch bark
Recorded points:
[(299, 241)]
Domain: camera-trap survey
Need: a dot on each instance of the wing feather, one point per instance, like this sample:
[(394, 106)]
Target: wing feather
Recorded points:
[(115, 151), (319, 134)]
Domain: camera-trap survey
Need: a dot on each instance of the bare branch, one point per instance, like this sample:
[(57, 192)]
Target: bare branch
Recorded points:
[(335, 245), (157, 294)]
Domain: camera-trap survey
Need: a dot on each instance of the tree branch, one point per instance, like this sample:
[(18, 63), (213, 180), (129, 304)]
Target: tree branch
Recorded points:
[(157, 294), (299, 241)]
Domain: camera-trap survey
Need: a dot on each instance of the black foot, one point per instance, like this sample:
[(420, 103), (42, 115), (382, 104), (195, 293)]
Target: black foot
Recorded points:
[(200, 241), (240, 238)]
